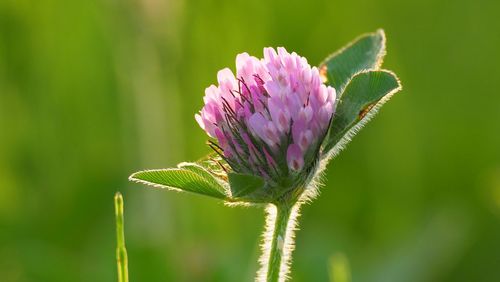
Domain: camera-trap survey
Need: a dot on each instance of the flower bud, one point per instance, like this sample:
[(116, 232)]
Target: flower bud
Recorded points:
[(271, 117)]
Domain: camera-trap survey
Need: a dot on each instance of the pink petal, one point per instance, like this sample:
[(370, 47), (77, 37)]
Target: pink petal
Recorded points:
[(305, 140), (200, 121), (221, 138), (257, 123), (298, 127), (279, 114), (294, 157)]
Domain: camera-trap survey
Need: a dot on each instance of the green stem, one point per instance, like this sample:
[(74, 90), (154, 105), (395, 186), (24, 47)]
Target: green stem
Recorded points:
[(121, 252), (281, 246)]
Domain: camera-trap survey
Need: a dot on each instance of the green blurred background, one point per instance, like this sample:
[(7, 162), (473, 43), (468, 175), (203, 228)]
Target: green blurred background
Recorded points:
[(93, 90)]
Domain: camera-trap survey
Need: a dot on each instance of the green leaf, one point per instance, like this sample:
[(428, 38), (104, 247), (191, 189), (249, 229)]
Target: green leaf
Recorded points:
[(181, 179), (244, 184), (362, 98), (364, 53), (201, 171)]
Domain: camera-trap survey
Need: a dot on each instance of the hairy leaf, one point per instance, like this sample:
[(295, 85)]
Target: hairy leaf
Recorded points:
[(364, 53), (201, 171), (362, 98), (190, 179)]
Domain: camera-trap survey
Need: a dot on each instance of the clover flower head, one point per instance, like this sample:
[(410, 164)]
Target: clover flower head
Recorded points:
[(274, 125), (271, 117)]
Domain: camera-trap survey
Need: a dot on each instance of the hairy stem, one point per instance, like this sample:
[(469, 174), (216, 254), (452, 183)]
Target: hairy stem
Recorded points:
[(121, 252), (278, 242)]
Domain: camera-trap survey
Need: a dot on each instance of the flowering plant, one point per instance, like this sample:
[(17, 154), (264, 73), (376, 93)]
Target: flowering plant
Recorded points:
[(273, 127)]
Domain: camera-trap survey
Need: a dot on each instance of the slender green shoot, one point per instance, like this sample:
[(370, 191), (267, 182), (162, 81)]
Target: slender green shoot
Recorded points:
[(121, 252)]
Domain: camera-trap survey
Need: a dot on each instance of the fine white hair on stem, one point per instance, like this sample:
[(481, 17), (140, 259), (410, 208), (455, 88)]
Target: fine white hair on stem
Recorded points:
[(289, 243), (286, 244), (267, 240), (312, 190)]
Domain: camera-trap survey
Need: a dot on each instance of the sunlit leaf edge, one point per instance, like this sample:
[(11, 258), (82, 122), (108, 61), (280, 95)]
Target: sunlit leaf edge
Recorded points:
[(376, 66), (347, 137), (216, 193)]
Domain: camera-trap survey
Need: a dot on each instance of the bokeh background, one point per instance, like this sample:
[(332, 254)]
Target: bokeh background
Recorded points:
[(91, 91)]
